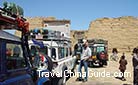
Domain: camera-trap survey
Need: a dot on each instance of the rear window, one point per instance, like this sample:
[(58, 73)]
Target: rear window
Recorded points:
[(100, 49)]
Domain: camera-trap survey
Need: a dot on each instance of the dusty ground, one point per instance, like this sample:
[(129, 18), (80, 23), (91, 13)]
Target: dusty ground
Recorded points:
[(112, 68)]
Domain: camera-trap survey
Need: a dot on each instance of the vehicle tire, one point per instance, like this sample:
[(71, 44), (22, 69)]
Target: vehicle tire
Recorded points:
[(50, 63), (106, 63), (62, 80)]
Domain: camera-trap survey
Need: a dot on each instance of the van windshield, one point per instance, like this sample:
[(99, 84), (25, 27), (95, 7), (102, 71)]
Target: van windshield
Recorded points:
[(14, 32)]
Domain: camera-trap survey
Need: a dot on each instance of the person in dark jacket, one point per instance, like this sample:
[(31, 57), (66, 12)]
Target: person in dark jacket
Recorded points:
[(135, 65), (122, 67)]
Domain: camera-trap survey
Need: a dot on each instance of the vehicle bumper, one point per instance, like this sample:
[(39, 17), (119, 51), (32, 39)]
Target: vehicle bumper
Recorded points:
[(96, 62)]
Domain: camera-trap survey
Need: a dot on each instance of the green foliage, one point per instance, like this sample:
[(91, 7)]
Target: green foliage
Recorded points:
[(5, 4), (13, 8), (20, 10)]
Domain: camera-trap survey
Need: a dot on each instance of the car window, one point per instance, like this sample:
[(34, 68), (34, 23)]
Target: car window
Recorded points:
[(70, 51), (61, 52), (44, 50), (53, 53), (14, 56), (33, 51), (66, 52)]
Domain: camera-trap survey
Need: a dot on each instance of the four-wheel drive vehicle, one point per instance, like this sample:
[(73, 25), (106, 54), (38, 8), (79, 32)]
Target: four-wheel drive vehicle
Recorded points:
[(99, 52), (15, 60), (57, 46)]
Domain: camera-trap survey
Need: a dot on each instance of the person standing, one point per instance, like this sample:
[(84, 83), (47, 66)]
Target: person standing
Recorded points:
[(122, 67), (86, 53), (77, 53), (135, 65), (115, 52)]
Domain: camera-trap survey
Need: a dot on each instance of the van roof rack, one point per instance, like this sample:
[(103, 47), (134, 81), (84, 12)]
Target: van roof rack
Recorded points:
[(48, 35)]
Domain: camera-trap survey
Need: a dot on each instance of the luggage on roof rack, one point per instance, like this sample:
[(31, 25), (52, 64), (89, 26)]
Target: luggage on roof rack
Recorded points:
[(9, 20), (46, 34)]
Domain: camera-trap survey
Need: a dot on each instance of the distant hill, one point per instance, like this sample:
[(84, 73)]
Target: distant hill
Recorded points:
[(121, 32)]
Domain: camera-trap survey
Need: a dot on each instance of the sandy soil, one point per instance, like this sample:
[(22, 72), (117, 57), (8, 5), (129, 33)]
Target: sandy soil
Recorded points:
[(111, 68)]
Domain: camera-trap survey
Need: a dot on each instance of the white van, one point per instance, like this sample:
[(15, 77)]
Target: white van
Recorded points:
[(59, 50)]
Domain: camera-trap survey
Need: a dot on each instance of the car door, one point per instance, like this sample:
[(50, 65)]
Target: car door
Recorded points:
[(16, 71)]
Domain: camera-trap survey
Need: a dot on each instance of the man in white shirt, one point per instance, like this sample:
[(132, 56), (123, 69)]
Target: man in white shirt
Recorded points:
[(86, 53)]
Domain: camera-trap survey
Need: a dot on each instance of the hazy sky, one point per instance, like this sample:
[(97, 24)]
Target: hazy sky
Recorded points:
[(80, 12)]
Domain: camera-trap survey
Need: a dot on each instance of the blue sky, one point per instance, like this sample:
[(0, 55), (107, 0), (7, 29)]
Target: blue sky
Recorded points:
[(80, 12)]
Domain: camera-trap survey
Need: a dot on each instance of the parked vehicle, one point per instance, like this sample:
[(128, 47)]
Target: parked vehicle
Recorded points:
[(99, 49), (57, 46), (15, 59)]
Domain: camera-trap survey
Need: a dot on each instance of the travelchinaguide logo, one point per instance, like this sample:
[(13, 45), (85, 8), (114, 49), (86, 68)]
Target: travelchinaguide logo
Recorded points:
[(91, 73)]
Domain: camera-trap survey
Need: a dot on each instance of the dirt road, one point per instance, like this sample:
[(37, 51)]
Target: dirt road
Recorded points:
[(111, 69)]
